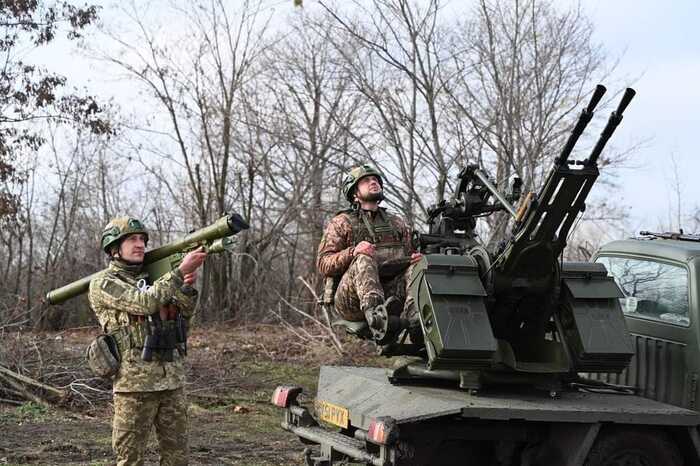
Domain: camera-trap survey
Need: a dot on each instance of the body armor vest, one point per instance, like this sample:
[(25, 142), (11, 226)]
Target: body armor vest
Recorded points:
[(380, 231), (133, 334)]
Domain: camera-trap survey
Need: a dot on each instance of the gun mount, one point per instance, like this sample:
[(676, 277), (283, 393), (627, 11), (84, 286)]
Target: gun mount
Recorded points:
[(518, 314)]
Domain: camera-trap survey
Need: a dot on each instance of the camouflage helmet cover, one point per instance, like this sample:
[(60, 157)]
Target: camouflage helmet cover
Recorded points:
[(355, 175), (118, 228)]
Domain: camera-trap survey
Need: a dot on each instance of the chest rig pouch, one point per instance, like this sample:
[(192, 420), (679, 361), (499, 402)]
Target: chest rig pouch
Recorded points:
[(103, 356), (391, 254)]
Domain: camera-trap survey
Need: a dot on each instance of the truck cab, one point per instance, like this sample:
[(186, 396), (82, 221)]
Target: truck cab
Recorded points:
[(659, 275)]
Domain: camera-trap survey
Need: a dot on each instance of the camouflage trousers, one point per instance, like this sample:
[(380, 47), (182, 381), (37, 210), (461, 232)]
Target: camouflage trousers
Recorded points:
[(134, 415), (361, 288)]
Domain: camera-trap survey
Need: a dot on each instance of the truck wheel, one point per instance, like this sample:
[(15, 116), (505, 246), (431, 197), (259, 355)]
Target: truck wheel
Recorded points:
[(461, 453), (634, 448), (450, 453)]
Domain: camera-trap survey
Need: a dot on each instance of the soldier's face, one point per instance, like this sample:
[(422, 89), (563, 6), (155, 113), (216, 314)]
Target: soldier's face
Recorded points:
[(369, 189), (133, 248)]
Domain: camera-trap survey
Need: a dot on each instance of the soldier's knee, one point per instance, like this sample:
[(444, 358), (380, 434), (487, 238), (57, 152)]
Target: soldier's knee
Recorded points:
[(363, 260)]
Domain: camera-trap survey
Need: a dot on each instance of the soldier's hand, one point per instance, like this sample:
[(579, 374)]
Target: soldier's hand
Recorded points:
[(190, 278), (192, 261), (366, 248), (415, 257)]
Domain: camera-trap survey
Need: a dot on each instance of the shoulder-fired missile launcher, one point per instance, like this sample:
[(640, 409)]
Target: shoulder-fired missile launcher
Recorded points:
[(214, 238)]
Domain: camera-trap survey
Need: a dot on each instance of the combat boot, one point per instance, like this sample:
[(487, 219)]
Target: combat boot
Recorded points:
[(385, 325), (415, 333)]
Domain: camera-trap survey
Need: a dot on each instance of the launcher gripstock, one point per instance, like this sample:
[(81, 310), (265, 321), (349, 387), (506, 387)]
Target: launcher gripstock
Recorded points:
[(215, 238)]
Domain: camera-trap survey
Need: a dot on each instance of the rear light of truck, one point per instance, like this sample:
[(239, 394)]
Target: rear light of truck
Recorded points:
[(382, 430), (284, 395)]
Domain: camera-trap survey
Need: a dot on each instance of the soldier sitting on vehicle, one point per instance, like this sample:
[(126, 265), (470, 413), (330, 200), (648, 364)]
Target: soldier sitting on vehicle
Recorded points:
[(367, 252)]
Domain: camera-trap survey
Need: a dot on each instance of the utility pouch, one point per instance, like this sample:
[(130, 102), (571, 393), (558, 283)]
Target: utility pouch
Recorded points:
[(103, 356), (168, 340), (330, 285), (152, 340), (181, 334)]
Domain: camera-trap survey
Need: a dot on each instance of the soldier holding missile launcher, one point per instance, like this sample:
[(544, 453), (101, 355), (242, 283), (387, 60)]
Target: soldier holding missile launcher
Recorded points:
[(147, 390), (144, 301)]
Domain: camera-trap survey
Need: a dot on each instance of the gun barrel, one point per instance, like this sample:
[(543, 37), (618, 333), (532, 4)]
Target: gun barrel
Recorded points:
[(613, 122), (583, 120), (504, 202)]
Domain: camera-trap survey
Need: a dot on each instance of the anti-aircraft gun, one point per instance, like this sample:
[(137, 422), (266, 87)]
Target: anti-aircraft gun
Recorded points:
[(508, 327), (518, 314)]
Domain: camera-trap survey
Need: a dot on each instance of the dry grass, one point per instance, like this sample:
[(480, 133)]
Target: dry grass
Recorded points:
[(232, 373)]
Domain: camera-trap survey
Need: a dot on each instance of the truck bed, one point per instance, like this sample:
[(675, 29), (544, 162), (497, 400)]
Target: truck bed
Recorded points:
[(366, 393)]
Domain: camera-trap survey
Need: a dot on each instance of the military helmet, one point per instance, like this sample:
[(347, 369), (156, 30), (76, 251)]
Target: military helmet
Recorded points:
[(355, 175), (118, 228)]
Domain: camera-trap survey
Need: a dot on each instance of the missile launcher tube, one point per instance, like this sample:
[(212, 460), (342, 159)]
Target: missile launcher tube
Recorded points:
[(215, 238)]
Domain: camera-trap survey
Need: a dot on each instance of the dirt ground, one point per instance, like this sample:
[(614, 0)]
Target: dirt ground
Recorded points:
[(232, 374)]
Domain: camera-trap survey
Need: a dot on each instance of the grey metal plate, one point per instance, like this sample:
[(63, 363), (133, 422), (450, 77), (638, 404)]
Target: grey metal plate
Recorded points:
[(593, 289), (681, 251), (367, 394), (460, 282)]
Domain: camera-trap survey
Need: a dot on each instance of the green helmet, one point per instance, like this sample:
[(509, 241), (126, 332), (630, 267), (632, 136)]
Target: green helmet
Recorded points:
[(355, 175), (118, 228)]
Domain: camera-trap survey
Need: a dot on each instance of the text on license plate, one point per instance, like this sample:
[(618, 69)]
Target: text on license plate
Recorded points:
[(333, 414)]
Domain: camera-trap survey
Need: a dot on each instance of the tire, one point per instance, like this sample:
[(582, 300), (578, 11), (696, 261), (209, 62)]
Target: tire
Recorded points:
[(451, 453), (462, 453), (634, 447)]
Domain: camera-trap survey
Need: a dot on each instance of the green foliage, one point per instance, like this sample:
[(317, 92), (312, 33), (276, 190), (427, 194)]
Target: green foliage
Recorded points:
[(32, 410)]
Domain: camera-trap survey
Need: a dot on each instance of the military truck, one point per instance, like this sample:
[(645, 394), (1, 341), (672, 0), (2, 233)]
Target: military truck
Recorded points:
[(496, 379), (659, 274)]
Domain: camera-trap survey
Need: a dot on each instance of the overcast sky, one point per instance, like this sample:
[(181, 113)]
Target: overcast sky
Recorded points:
[(658, 44)]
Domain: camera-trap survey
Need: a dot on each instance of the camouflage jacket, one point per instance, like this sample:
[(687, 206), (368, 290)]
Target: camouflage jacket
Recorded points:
[(348, 228), (118, 302)]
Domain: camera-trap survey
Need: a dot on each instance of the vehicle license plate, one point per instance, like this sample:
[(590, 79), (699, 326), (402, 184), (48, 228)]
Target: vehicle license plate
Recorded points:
[(333, 414)]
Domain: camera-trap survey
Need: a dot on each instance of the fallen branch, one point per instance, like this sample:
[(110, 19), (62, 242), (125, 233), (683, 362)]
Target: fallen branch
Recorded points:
[(17, 381), (11, 402), (329, 331), (23, 392)]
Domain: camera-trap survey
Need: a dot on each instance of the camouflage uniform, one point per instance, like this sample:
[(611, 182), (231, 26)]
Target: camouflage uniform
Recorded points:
[(145, 393), (361, 284)]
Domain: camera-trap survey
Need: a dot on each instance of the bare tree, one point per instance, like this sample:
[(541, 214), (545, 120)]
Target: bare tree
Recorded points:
[(314, 107), (524, 71), (397, 59), (198, 79)]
